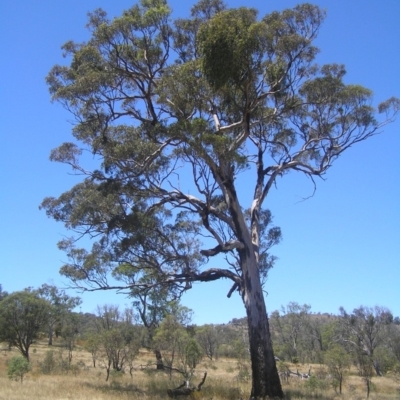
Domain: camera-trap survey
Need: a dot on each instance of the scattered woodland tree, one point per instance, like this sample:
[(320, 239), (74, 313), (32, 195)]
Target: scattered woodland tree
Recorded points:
[(60, 306), (107, 317), (338, 362), (167, 338), (22, 316), (292, 329), (178, 115), (365, 367), (116, 342), (189, 355), (181, 352), (394, 341), (363, 331), (209, 340), (69, 333), (153, 303), (92, 345)]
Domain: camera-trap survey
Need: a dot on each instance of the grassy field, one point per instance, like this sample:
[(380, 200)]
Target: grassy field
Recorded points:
[(223, 381)]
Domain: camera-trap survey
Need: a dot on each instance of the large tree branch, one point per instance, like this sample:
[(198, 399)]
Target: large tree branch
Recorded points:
[(224, 248)]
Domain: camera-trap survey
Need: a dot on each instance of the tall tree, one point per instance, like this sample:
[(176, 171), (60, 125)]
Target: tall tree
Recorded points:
[(178, 115), (22, 316)]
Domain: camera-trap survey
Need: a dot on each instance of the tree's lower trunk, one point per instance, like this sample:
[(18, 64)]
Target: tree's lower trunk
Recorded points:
[(368, 386), (50, 343), (69, 356), (377, 367), (159, 360), (265, 377), (25, 352)]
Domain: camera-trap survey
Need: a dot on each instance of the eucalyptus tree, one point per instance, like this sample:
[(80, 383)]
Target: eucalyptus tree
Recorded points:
[(115, 344), (60, 306), (209, 339), (291, 326), (22, 317), (338, 362), (181, 351), (363, 331), (179, 115)]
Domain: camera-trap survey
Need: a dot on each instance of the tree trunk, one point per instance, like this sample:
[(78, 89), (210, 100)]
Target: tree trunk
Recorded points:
[(377, 367), (50, 343), (265, 377), (368, 385), (25, 352), (159, 360)]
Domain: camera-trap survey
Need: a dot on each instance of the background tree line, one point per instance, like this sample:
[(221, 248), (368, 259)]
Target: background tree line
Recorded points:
[(367, 338)]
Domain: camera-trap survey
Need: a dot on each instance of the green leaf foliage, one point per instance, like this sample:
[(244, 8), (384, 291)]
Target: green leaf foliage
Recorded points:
[(22, 316), (18, 367)]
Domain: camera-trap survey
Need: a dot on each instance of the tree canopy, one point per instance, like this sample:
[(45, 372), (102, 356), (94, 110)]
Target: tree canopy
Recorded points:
[(22, 316), (177, 115)]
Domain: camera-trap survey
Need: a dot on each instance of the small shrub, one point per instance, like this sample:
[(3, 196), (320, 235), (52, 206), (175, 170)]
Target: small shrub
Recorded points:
[(311, 383), (48, 365), (64, 365), (18, 367)]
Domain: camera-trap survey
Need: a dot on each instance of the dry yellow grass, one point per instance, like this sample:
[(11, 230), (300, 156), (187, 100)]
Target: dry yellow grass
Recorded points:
[(147, 384)]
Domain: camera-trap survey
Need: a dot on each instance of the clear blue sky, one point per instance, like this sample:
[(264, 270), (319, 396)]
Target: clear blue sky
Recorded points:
[(340, 248)]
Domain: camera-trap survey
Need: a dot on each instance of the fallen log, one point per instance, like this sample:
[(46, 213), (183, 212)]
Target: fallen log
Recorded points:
[(186, 391), (300, 375)]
